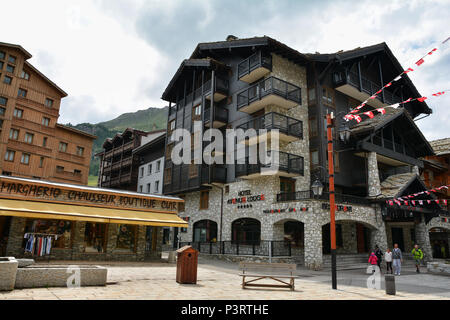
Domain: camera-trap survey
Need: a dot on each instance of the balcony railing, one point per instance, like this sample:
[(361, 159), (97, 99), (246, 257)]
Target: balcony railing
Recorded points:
[(274, 120), (255, 61), (218, 173), (220, 114), (288, 163), (269, 86), (220, 85), (371, 87), (308, 194)]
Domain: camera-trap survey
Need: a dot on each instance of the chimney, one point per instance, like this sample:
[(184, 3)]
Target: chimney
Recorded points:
[(231, 37)]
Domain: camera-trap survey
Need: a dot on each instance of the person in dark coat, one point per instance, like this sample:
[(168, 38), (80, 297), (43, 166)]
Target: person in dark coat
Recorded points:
[(379, 255)]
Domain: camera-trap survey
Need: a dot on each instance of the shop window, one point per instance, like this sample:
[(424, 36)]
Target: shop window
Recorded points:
[(294, 233), (205, 231), (61, 228), (204, 200), (126, 237), (95, 236), (246, 231)]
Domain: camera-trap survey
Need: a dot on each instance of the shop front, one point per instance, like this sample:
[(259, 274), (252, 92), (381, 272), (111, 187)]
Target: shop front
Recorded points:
[(45, 220)]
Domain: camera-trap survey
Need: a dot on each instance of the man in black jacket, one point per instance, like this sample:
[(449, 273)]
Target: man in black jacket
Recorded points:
[(379, 255)]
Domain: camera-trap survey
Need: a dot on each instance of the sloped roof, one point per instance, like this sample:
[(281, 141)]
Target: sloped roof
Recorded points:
[(441, 146), (378, 121), (392, 186)]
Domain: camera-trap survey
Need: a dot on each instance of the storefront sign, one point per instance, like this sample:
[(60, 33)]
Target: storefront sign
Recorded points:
[(285, 210), (326, 206), (55, 193), (245, 197)]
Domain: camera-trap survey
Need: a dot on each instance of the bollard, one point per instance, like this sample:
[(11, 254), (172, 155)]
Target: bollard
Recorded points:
[(390, 284)]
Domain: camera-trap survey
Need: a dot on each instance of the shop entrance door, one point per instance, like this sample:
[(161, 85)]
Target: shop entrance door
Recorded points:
[(361, 238), (397, 237), (4, 233)]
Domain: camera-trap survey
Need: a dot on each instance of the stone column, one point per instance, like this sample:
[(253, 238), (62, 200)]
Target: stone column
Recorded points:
[(373, 176), (15, 238), (313, 245), (423, 240), (378, 236)]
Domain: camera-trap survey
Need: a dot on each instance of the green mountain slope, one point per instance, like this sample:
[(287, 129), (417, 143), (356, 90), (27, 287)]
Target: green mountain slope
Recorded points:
[(146, 120)]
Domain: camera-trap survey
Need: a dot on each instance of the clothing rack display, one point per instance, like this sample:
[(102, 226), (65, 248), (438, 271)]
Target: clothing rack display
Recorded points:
[(39, 244)]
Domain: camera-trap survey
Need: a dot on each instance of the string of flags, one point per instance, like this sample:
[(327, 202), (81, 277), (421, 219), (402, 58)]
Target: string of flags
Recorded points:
[(418, 63), (408, 199), (370, 114)]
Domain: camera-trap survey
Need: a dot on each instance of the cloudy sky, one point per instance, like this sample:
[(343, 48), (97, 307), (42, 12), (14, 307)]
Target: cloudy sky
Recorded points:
[(117, 56)]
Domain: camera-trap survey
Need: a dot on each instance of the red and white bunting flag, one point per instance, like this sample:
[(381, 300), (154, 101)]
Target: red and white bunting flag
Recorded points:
[(406, 101), (437, 94), (391, 202), (421, 202), (422, 99), (445, 202), (357, 118), (413, 202), (387, 85), (427, 192), (348, 117), (405, 203), (369, 114), (408, 70), (397, 78), (373, 96), (431, 52), (437, 201), (396, 105), (381, 110), (429, 201), (433, 190), (419, 62)]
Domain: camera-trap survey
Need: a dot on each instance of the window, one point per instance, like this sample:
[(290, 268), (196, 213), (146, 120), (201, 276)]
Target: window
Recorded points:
[(44, 141), (1, 65), (157, 186), (14, 134), (45, 121), (9, 155), (204, 200), (95, 237), (328, 97), (205, 231), (63, 147), (197, 110), (172, 125), (22, 93), (77, 172), (61, 227), (48, 102), (227, 189), (158, 166), (25, 158), (167, 175), (2, 55), (314, 158), (2, 111), (29, 137), (41, 162), (7, 80), (80, 151), (140, 189), (313, 127), (18, 113), (3, 101), (12, 59), (59, 169), (246, 231), (149, 169), (25, 75), (7, 173), (126, 238), (142, 172), (9, 68), (148, 187)]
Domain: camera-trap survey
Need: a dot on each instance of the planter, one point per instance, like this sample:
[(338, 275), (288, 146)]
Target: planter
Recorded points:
[(8, 272)]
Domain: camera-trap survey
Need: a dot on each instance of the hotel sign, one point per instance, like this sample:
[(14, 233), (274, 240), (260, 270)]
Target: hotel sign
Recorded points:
[(13, 189), (245, 197)]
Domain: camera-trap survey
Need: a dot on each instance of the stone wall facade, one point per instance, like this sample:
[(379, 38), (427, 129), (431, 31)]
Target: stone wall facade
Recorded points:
[(76, 249)]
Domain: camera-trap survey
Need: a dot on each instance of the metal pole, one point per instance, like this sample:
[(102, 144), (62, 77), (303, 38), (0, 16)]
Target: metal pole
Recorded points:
[(332, 202)]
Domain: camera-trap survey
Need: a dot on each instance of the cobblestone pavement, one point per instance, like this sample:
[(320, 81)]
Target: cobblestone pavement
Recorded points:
[(157, 281)]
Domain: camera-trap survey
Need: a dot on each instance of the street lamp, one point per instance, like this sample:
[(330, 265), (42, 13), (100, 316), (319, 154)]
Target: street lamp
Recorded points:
[(317, 188), (344, 131)]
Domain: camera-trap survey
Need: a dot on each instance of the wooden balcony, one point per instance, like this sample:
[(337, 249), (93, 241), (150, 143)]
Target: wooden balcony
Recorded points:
[(266, 92), (361, 89), (254, 67), (220, 89), (289, 129), (288, 165)]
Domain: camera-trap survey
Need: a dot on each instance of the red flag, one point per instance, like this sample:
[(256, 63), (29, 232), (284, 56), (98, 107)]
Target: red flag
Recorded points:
[(422, 99), (445, 202), (357, 118), (419, 62), (381, 110), (431, 52), (405, 203), (388, 85), (440, 93), (429, 201), (373, 96), (413, 202), (437, 201), (408, 70), (369, 114)]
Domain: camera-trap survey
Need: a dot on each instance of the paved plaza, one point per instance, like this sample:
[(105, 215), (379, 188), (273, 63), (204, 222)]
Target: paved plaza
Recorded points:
[(220, 280)]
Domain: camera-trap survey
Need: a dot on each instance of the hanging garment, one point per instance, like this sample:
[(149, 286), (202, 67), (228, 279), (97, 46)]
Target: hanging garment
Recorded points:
[(49, 245)]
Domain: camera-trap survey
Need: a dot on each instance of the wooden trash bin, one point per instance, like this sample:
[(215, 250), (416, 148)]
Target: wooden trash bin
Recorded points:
[(187, 261)]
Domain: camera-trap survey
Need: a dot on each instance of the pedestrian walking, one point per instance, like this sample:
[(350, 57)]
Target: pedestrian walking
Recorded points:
[(388, 259), (418, 256), (373, 261), (397, 259), (379, 255)]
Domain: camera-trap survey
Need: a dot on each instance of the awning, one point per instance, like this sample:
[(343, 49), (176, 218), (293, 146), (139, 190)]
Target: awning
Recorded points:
[(45, 210)]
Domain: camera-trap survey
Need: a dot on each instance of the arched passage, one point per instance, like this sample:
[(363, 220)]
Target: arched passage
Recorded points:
[(205, 231), (246, 231), (439, 240)]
